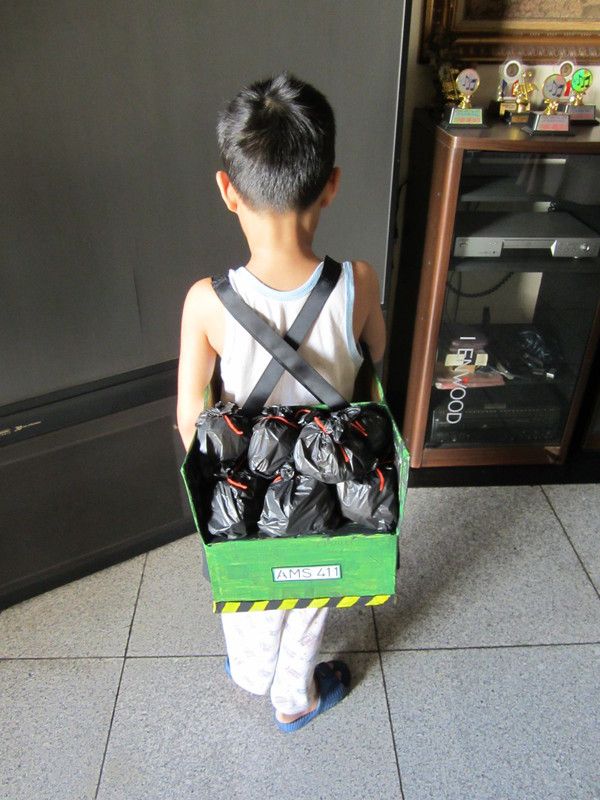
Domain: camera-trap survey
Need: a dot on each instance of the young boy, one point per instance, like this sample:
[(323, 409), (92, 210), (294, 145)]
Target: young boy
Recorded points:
[(277, 143)]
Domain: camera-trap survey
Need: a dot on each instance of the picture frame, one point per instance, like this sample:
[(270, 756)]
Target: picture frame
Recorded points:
[(489, 31)]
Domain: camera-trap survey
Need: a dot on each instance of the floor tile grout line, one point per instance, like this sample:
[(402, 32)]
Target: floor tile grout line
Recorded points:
[(112, 717), (153, 655), (441, 649), (137, 599), (387, 703), (487, 647), (558, 519), (61, 658)]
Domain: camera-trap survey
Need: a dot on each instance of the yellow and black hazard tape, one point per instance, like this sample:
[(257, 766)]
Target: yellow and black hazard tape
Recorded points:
[(231, 606)]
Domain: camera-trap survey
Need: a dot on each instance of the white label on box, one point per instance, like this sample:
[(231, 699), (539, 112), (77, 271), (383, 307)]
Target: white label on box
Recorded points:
[(463, 357), (325, 573)]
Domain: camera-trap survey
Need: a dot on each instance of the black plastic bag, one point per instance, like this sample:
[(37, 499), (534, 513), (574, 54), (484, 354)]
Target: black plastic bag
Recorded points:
[(318, 453), (374, 420), (346, 444), (372, 501), (223, 434), (365, 435), (273, 438), (296, 504), (237, 501)]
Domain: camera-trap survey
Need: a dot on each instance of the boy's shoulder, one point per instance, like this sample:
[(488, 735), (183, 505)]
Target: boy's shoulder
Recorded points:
[(201, 287), (200, 293), (363, 271), (366, 281), (202, 303)]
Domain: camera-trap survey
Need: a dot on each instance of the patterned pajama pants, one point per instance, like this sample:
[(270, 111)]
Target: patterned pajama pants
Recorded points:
[(276, 650)]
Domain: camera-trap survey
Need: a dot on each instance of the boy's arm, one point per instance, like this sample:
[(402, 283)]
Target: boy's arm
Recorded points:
[(369, 322), (196, 358)]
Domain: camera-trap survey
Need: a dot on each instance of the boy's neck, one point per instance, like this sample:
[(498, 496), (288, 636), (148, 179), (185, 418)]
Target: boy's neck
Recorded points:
[(281, 242)]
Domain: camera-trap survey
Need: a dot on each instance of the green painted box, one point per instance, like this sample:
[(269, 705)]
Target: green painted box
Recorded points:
[(345, 569)]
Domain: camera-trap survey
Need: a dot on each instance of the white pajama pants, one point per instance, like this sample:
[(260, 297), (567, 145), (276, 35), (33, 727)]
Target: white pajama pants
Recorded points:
[(276, 650)]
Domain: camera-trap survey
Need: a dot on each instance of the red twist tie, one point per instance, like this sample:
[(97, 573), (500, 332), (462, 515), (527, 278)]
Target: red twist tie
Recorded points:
[(236, 484), (320, 424), (232, 426), (359, 427), (381, 479), (283, 419), (344, 453)]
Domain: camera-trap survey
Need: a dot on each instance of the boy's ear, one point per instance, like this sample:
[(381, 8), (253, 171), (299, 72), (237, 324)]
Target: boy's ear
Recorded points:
[(228, 193), (331, 187)]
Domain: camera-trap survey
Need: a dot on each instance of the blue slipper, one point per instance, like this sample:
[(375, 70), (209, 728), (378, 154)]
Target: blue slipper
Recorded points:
[(331, 691)]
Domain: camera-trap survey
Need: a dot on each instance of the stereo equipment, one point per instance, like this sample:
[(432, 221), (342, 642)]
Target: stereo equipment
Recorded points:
[(488, 234), (501, 416)]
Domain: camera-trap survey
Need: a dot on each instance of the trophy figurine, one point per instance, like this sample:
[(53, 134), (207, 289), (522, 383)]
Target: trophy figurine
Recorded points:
[(566, 69), (551, 120), (505, 99), (577, 110), (522, 90), (464, 115), (447, 75)]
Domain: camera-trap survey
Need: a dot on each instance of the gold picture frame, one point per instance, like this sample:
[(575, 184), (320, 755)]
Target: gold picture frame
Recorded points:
[(489, 31)]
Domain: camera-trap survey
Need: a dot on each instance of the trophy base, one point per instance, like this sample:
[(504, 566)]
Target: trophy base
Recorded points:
[(516, 117), (540, 123), (581, 115), (499, 108), (463, 117)]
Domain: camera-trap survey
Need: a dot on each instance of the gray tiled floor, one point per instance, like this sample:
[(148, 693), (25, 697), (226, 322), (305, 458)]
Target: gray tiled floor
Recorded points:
[(483, 681)]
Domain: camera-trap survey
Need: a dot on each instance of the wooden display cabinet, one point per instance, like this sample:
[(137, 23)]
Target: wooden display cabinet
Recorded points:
[(592, 435), (508, 310)]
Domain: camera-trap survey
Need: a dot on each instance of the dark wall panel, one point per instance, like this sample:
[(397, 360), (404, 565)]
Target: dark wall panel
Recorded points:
[(109, 209)]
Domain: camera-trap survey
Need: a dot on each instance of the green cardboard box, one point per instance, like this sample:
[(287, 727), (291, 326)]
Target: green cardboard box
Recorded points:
[(346, 569)]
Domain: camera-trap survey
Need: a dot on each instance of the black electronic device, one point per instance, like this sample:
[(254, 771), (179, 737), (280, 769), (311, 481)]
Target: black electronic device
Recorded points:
[(498, 416)]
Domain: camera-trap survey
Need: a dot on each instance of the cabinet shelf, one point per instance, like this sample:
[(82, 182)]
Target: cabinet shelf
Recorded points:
[(525, 261), (563, 382), (482, 189), (504, 353)]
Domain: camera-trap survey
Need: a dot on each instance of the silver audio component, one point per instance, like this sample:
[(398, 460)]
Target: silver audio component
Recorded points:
[(487, 234)]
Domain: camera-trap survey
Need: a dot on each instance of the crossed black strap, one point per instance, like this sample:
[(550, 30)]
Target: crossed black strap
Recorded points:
[(284, 348)]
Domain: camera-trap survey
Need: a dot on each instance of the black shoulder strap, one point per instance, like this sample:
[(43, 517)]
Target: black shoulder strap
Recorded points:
[(282, 351), (297, 333)]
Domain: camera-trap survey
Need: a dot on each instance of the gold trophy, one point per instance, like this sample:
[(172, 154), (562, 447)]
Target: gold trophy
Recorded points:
[(566, 69), (505, 100), (577, 110), (521, 90), (447, 75), (551, 120), (464, 115)]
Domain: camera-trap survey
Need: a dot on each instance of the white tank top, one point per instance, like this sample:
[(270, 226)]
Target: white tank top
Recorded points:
[(329, 346)]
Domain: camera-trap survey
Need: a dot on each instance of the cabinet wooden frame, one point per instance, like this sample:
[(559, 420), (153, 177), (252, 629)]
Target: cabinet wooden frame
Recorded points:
[(449, 148), (591, 439)]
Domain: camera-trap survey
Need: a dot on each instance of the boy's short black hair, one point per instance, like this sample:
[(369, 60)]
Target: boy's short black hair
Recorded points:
[(277, 143)]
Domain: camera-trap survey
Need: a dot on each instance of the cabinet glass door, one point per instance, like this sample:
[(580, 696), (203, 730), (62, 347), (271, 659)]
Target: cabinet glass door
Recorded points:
[(522, 290)]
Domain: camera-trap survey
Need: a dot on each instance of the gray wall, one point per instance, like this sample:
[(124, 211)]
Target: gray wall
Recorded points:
[(109, 210)]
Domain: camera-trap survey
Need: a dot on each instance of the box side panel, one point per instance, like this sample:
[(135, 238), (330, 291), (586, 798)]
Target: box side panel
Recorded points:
[(258, 569)]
